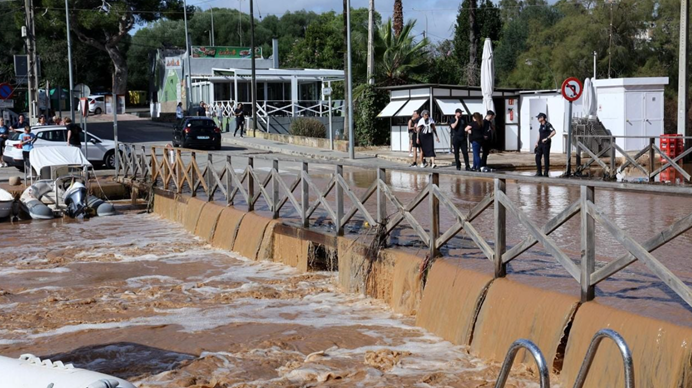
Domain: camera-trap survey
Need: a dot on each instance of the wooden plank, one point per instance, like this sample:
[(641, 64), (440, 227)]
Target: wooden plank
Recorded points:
[(218, 184), (228, 169), (292, 188), (399, 216), (591, 160), (339, 170), (263, 190), (593, 156), (405, 215), (679, 227), (289, 193), (668, 165), (672, 164), (305, 198), (470, 230), (459, 226), (352, 196), (381, 198), (364, 198), (238, 183), (550, 245), (588, 245), (500, 216), (643, 255), (637, 156), (275, 188), (250, 184), (322, 198), (630, 160), (434, 210), (547, 229)]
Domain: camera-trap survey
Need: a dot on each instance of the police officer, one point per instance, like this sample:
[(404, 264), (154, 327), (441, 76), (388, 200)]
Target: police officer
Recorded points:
[(542, 148), (459, 141)]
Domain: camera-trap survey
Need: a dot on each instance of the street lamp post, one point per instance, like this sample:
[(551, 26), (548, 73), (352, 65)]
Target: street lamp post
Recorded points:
[(253, 86), (188, 70), (529, 62), (349, 84), (69, 60)]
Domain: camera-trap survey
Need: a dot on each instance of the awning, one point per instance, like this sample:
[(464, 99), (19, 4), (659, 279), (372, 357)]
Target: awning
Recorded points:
[(410, 106), (474, 106), (391, 108), (448, 107)]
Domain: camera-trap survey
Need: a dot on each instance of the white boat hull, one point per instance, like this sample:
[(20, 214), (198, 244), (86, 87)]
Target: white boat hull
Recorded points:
[(29, 371), (6, 204)]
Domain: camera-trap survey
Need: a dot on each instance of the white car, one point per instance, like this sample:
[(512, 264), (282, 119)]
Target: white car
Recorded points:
[(97, 104), (98, 151)]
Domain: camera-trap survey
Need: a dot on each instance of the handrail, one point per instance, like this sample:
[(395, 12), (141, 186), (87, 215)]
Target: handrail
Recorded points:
[(537, 356), (591, 354)]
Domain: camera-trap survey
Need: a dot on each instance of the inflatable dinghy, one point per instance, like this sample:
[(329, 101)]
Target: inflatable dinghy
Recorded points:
[(29, 371), (6, 202)]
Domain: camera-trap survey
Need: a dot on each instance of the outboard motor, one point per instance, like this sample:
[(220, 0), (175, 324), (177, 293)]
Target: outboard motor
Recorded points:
[(75, 199)]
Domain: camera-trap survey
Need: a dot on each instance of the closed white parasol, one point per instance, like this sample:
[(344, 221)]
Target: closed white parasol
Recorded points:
[(589, 103), (487, 75)]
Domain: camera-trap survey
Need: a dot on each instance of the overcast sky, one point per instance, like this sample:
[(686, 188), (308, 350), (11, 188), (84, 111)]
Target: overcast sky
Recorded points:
[(441, 14)]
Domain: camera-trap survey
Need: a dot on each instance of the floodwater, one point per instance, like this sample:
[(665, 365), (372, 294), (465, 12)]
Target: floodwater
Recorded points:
[(138, 297)]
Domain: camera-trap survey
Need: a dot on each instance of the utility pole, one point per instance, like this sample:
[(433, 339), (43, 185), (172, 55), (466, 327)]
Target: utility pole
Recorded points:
[(32, 66), (610, 39), (69, 60), (371, 43), (254, 75), (349, 84), (188, 67), (682, 71), (212, 26)]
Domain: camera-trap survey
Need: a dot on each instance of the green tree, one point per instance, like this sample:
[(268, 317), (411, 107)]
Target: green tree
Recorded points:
[(443, 66), (400, 58), (487, 23), (369, 130)]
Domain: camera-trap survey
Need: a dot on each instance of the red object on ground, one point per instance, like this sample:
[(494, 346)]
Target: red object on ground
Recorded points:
[(672, 145)]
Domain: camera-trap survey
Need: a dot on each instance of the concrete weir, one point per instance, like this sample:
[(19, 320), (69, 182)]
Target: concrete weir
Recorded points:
[(462, 306)]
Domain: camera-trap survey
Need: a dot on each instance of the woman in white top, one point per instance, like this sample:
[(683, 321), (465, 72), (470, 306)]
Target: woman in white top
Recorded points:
[(426, 130)]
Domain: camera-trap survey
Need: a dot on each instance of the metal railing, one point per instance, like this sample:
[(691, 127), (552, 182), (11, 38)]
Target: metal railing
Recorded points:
[(610, 150), (628, 365), (178, 170), (537, 355)]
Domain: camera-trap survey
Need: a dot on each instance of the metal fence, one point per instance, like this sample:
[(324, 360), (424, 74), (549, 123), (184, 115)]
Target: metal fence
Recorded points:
[(178, 170), (607, 157)]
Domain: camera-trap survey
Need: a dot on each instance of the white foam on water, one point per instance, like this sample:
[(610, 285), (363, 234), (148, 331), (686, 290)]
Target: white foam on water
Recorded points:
[(18, 271)]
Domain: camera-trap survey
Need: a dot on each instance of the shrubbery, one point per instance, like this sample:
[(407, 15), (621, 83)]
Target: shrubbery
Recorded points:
[(369, 130), (308, 127)]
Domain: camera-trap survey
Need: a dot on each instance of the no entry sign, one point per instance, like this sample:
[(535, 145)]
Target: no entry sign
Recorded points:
[(572, 89), (6, 91)]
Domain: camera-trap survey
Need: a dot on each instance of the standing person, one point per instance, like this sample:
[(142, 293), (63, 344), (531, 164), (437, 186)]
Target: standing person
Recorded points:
[(413, 138), (4, 134), (219, 115), (57, 120), (488, 136), (179, 114), (19, 126), (42, 121), (27, 140), (239, 119), (74, 134), (426, 130), (200, 110), (542, 148), (459, 141), (475, 131)]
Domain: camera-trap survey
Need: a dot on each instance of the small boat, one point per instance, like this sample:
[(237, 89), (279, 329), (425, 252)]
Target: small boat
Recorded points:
[(6, 203), (62, 186), (29, 371)]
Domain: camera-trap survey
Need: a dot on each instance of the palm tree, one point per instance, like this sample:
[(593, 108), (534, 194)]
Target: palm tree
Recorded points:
[(401, 58), (398, 17)]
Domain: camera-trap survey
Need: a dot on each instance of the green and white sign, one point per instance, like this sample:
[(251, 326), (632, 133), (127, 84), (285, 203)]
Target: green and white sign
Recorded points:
[(224, 52)]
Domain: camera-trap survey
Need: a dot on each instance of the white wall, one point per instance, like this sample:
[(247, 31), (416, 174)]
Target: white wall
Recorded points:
[(556, 110)]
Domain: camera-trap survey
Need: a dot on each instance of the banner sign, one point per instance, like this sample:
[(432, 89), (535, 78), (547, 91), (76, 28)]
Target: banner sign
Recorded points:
[(173, 63), (224, 52)]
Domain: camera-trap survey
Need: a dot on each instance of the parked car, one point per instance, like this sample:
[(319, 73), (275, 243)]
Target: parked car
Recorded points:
[(100, 152), (194, 132), (97, 104)]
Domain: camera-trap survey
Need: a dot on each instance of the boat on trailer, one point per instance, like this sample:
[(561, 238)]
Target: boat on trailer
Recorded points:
[(6, 204), (62, 186)]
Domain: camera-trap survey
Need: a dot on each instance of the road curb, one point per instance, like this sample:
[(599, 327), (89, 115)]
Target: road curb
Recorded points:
[(280, 150)]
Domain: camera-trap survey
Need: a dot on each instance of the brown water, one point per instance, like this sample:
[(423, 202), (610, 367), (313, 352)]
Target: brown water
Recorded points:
[(139, 297)]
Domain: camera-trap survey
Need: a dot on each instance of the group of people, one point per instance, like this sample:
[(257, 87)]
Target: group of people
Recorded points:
[(218, 111), (480, 131), (27, 138)]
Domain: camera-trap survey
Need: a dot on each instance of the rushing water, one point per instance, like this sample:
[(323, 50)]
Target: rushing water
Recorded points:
[(138, 297)]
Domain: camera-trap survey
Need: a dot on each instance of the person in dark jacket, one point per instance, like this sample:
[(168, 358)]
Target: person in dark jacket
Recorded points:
[(201, 110), (542, 148), (74, 134), (239, 114), (459, 141), (488, 136), (475, 131)]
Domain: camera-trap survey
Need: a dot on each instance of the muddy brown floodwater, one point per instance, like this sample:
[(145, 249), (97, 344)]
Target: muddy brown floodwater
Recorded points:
[(138, 297)]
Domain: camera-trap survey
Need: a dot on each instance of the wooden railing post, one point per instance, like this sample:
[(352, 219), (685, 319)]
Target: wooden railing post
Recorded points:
[(613, 174), (652, 162), (500, 214), (193, 176), (229, 180), (304, 196), (434, 215), (144, 163), (339, 202), (275, 189), (588, 244), (381, 198), (178, 171), (250, 184), (154, 162), (208, 177)]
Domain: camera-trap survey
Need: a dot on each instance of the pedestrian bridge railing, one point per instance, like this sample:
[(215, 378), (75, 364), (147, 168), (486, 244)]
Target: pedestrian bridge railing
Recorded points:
[(607, 157), (234, 178)]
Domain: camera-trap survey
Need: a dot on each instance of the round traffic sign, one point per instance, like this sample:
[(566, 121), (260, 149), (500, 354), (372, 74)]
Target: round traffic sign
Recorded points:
[(572, 89), (6, 91)]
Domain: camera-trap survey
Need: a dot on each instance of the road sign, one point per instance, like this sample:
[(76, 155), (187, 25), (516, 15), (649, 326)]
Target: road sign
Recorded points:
[(6, 104), (327, 91), (6, 91), (572, 89), (82, 90), (84, 106)]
